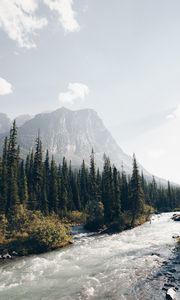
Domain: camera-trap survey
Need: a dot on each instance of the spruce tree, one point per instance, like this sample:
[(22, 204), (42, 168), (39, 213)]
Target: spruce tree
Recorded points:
[(12, 171), (22, 184), (38, 175), (107, 190), (53, 192), (137, 195)]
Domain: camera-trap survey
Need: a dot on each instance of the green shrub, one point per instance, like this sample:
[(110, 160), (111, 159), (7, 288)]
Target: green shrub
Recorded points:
[(77, 217), (30, 232)]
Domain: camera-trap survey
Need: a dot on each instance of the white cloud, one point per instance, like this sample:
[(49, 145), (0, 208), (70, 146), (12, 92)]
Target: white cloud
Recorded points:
[(76, 91), (5, 87), (19, 20), (66, 15)]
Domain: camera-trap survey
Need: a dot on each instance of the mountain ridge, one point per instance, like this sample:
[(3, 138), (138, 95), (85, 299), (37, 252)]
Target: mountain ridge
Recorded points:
[(73, 134)]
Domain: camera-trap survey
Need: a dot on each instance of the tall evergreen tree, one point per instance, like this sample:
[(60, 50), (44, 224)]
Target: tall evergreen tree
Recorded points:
[(107, 190), (137, 195), (12, 171), (38, 175), (53, 195), (22, 184)]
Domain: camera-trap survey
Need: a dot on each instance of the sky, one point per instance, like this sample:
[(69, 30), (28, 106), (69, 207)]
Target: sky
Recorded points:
[(119, 57)]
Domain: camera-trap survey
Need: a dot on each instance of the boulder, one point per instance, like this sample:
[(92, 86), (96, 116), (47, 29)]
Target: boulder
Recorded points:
[(176, 217), (14, 253), (171, 294), (176, 236), (7, 256)]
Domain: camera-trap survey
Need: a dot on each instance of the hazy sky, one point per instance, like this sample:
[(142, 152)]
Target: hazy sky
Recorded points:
[(120, 57)]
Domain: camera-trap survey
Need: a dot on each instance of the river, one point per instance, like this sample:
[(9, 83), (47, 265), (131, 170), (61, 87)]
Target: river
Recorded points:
[(106, 267)]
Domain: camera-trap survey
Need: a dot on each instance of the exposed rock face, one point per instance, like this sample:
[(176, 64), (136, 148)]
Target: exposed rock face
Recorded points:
[(73, 134)]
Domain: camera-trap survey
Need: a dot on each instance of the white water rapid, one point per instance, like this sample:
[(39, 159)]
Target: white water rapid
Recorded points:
[(113, 267)]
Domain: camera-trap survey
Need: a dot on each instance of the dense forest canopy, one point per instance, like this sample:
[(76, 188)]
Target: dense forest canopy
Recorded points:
[(40, 184)]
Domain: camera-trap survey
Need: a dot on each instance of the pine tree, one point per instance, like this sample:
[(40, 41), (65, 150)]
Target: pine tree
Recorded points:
[(53, 194), (125, 203), (4, 178), (12, 171), (32, 201), (116, 197), (22, 184), (137, 195), (64, 188), (71, 179), (84, 188), (107, 190), (95, 207), (38, 175)]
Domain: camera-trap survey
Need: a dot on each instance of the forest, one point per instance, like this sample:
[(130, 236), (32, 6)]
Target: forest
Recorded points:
[(39, 198)]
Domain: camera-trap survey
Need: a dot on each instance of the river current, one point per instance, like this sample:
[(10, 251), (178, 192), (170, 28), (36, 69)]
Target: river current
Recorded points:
[(107, 267)]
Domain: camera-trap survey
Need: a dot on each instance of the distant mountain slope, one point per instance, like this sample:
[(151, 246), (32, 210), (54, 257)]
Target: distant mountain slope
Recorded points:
[(73, 134), (5, 123), (20, 120)]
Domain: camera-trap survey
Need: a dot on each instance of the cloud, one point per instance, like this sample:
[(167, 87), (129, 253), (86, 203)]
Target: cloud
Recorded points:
[(175, 114), (76, 91), (66, 15), (5, 87), (19, 20)]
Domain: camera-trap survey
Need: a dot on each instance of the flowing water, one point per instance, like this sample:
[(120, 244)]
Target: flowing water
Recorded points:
[(115, 267)]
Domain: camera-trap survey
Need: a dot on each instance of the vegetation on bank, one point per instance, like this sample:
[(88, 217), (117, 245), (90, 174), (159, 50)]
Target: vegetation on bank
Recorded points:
[(38, 198), (29, 232)]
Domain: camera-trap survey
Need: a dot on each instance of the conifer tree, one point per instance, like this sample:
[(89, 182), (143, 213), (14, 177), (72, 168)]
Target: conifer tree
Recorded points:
[(95, 207), (64, 187), (22, 184), (38, 174), (12, 170), (125, 203), (53, 194), (4, 178), (107, 190), (84, 187), (117, 196), (137, 195)]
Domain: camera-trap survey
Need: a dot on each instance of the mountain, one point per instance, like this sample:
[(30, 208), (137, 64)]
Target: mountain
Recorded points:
[(20, 120), (73, 134), (5, 123)]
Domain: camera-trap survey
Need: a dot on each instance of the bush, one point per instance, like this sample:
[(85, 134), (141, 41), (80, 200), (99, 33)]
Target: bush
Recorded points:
[(77, 217), (30, 232), (48, 233), (3, 228)]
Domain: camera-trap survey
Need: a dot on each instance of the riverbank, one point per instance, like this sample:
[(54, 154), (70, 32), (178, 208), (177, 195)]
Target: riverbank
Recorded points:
[(30, 232), (169, 273)]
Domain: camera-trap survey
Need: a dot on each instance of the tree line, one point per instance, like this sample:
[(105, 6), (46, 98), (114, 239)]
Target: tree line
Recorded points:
[(40, 184)]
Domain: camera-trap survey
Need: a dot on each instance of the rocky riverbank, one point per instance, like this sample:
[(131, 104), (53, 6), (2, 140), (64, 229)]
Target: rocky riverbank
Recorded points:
[(171, 273)]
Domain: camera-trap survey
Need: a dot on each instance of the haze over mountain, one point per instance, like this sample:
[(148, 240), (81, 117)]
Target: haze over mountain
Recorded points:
[(5, 123), (20, 120), (73, 134)]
